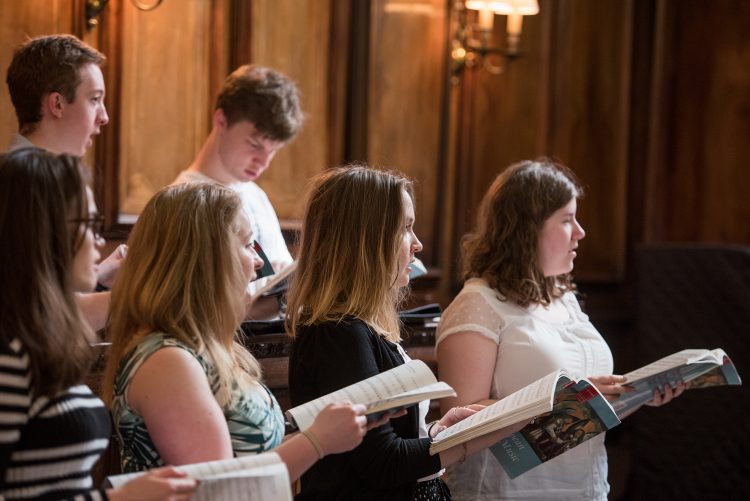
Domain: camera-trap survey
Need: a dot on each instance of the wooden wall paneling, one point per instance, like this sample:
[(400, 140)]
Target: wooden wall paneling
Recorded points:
[(107, 180), (589, 125), (339, 68), (700, 164), (510, 109), (653, 221), (501, 119), (222, 35), (645, 66), (22, 20), (406, 85), (164, 95), (294, 38)]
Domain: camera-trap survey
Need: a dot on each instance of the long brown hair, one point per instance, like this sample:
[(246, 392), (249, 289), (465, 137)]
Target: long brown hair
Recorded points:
[(351, 231), (183, 277), (40, 193), (504, 247)]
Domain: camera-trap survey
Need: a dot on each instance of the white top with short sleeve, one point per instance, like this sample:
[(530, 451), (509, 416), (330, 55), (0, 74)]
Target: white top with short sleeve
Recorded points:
[(530, 345)]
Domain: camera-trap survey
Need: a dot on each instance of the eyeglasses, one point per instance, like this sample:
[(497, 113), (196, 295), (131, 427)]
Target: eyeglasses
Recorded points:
[(95, 223)]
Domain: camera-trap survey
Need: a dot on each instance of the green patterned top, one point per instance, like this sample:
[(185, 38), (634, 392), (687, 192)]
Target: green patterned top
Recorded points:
[(255, 425)]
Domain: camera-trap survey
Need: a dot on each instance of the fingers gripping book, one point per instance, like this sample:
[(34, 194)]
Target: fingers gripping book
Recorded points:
[(564, 413), (262, 477), (700, 368)]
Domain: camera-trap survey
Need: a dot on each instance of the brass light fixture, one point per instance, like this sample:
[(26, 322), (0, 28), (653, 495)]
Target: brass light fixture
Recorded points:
[(471, 45), (94, 8)]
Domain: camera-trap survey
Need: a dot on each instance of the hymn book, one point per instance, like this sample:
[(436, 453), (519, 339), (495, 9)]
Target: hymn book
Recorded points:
[(395, 389), (564, 413), (701, 368), (261, 477)]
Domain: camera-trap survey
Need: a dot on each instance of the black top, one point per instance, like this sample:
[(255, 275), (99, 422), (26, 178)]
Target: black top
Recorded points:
[(386, 465), (47, 445)]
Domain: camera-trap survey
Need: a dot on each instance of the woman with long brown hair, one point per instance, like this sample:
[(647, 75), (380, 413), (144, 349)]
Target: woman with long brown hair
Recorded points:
[(52, 428)]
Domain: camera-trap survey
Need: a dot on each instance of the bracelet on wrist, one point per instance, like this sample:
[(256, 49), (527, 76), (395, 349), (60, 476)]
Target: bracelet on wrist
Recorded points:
[(314, 441), (429, 429)]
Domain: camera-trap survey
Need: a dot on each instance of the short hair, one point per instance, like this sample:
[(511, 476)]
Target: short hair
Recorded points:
[(349, 249), (183, 277), (503, 249), (264, 97), (43, 65), (40, 194)]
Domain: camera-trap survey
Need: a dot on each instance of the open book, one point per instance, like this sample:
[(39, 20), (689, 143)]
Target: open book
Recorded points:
[(702, 368), (565, 412), (391, 390), (261, 477), (268, 283)]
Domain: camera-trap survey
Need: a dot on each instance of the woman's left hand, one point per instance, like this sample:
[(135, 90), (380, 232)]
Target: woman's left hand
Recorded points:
[(667, 394), (454, 415)]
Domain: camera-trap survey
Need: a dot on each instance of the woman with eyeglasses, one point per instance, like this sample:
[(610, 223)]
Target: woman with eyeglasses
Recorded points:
[(52, 428), (180, 386)]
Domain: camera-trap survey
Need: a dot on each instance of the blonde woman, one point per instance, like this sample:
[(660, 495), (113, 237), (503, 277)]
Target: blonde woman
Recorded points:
[(357, 246), (180, 386)]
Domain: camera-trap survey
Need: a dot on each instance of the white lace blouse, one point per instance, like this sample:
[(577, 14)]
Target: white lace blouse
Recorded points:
[(531, 343)]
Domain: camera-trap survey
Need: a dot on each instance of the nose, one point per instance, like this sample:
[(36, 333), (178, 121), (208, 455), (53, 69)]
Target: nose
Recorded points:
[(257, 261), (103, 117), (263, 158), (579, 232), (416, 245)]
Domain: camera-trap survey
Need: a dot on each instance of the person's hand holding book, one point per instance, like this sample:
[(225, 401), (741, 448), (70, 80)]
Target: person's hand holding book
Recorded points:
[(611, 386)]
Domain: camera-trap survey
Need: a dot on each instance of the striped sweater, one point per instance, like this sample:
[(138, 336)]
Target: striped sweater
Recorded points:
[(47, 445)]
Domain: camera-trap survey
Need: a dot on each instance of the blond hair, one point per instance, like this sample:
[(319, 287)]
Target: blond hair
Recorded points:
[(183, 277), (348, 252)]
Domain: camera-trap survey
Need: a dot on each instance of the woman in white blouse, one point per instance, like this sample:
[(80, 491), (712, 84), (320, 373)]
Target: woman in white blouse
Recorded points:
[(517, 319)]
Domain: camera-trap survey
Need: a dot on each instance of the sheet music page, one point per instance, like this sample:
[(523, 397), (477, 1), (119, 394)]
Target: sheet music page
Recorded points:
[(664, 364), (435, 390), (372, 390), (213, 468), (538, 392), (263, 483)]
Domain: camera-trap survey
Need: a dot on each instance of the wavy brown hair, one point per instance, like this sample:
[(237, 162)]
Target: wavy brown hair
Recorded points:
[(349, 249), (183, 277), (40, 193), (503, 250)]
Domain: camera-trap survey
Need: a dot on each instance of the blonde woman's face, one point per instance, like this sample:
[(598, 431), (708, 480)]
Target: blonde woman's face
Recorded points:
[(409, 244), (250, 259)]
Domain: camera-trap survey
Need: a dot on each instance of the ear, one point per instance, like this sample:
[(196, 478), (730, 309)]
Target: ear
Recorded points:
[(220, 119), (53, 105)]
